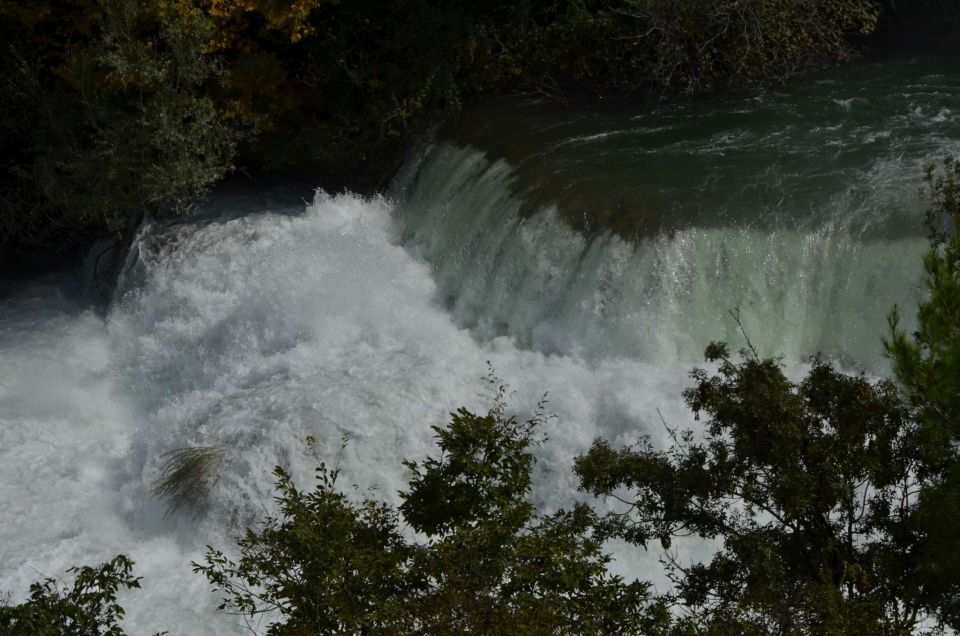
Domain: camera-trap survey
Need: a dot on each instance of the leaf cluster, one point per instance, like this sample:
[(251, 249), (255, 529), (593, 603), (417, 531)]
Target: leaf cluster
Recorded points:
[(109, 117), (89, 607)]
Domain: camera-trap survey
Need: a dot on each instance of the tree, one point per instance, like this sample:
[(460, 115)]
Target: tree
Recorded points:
[(108, 117), (810, 488), (927, 365), (87, 608), (489, 564)]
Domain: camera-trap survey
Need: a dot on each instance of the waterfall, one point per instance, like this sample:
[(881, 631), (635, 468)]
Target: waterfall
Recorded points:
[(259, 324), (660, 298), (251, 333)]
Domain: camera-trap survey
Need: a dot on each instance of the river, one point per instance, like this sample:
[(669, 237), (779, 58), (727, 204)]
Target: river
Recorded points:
[(590, 255)]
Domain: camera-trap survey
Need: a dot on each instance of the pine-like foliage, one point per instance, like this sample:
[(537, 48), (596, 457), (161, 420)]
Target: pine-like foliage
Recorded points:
[(927, 364), (187, 476)]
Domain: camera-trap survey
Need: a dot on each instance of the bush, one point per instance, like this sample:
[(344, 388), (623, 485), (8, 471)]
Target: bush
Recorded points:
[(685, 46), (699, 46), (87, 608)]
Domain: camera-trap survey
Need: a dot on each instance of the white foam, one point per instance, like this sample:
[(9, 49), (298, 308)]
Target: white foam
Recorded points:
[(254, 333)]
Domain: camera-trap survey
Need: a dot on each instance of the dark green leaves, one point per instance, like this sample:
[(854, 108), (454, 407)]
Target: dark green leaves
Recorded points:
[(809, 486), (483, 472), (927, 365), (327, 565), (87, 608), (490, 565)]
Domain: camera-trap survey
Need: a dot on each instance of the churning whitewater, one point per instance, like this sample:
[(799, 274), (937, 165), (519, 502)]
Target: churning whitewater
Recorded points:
[(251, 334), (257, 325)]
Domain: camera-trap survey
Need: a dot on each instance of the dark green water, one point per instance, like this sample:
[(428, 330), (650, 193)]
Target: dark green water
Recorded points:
[(789, 157)]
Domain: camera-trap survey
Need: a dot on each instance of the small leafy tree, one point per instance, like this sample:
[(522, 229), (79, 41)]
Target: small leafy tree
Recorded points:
[(495, 565), (489, 565), (87, 608), (810, 488), (326, 566)]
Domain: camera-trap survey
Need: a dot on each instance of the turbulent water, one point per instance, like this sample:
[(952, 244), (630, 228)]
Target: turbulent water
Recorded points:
[(591, 255)]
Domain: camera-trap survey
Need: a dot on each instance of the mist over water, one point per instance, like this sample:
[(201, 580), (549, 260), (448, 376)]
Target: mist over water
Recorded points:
[(254, 328)]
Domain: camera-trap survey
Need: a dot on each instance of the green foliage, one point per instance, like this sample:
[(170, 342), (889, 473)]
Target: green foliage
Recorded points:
[(109, 124), (326, 566), (483, 473), (490, 564), (927, 365), (810, 487), (88, 608), (187, 476)]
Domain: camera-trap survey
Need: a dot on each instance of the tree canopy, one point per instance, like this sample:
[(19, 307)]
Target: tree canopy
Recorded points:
[(88, 607), (809, 486), (489, 563)]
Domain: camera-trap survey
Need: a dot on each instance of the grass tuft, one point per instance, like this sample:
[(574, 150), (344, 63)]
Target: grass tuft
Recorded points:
[(187, 476)]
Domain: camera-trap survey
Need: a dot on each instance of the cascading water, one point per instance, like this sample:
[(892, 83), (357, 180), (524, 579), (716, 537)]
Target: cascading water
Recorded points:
[(661, 297), (372, 318)]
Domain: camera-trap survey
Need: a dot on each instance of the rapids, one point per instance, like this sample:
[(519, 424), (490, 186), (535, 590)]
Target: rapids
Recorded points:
[(260, 323)]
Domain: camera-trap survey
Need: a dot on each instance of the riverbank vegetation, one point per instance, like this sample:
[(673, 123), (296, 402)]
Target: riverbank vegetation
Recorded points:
[(118, 108), (833, 501), (87, 607)]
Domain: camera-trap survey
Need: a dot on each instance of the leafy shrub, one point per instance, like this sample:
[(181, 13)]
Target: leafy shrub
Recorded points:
[(678, 46), (699, 46), (87, 608)]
